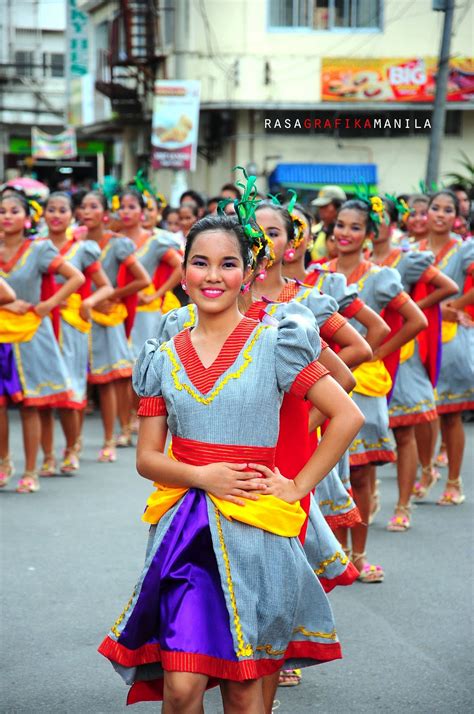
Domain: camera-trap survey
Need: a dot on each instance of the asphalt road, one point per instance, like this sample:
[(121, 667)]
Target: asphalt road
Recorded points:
[(71, 553)]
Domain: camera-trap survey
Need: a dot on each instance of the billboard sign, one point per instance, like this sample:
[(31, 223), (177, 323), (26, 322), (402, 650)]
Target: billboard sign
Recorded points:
[(175, 124)]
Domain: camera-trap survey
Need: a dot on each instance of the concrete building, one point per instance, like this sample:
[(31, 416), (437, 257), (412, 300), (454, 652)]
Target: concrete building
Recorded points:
[(261, 60)]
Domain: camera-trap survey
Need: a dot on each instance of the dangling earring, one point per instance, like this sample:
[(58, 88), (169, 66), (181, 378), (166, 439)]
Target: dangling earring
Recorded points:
[(142, 217), (261, 275), (27, 224), (244, 288), (289, 254), (183, 285), (105, 219)]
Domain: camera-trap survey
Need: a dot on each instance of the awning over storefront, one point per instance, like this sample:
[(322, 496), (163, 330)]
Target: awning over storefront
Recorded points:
[(314, 176)]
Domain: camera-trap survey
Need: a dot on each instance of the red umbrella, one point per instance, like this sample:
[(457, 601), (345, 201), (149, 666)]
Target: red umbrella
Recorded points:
[(30, 186)]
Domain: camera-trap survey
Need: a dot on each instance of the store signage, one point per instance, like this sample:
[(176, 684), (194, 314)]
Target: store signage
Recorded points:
[(53, 146), (77, 40), (175, 124), (394, 80)]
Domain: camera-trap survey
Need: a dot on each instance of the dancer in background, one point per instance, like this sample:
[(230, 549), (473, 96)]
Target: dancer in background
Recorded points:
[(72, 324), (455, 388), (380, 288), (413, 401), (33, 371), (227, 364), (110, 358)]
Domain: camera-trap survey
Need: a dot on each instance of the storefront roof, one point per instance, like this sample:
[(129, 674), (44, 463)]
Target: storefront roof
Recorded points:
[(316, 175)]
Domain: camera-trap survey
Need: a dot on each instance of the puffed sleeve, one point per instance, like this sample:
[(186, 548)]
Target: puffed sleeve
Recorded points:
[(168, 240), (346, 296), (90, 257), (125, 250), (48, 256), (175, 321), (467, 256), (322, 306), (297, 348), (389, 290), (147, 380), (414, 266)]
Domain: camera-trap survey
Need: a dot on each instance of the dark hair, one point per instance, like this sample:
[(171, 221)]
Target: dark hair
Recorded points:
[(329, 230), (18, 196), (355, 204), (195, 196), (231, 187), (219, 223), (214, 199), (446, 192), (192, 207), (417, 198), (168, 210), (101, 197), (284, 215), (59, 194), (458, 187), (391, 210), (302, 209), (130, 191), (78, 197)]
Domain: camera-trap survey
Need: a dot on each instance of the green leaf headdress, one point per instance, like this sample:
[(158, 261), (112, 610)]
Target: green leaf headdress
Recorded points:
[(374, 204), (298, 223), (111, 189), (245, 208), (401, 207)]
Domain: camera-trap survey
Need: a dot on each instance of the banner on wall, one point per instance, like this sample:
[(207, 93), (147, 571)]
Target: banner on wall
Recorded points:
[(53, 146), (394, 80), (175, 124)]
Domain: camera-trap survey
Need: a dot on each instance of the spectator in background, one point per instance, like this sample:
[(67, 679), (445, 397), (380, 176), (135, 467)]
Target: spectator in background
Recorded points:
[(196, 199), (76, 200), (188, 215), (211, 207), (228, 190), (172, 223), (328, 202)]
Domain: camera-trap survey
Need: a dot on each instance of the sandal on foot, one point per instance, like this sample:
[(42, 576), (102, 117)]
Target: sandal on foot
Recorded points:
[(400, 521), (7, 470), (70, 462), (78, 446), (420, 492), (289, 678), (442, 458), (374, 503), (107, 453), (452, 499), (29, 483), (124, 439), (49, 467), (369, 573)]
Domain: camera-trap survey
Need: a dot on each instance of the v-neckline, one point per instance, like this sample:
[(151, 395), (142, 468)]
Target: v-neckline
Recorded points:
[(356, 274), (8, 265), (424, 245), (204, 378)]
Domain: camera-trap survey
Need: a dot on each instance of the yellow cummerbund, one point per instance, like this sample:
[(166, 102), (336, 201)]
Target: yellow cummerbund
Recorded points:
[(267, 513), (407, 351), (116, 316), (18, 328), (164, 304), (373, 379), (448, 331), (72, 316)]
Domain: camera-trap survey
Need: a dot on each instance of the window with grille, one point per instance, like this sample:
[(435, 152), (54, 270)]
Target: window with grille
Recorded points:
[(53, 64), (24, 63), (325, 14)]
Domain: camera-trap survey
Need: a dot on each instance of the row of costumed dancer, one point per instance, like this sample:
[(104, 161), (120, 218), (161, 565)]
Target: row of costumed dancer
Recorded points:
[(352, 318)]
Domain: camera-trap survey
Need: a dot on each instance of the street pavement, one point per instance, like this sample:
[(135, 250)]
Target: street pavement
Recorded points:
[(71, 553)]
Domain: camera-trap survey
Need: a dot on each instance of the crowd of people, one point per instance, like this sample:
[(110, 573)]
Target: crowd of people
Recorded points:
[(281, 346)]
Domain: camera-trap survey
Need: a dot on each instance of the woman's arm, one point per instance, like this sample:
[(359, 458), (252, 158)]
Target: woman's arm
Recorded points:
[(463, 301), (377, 328), (175, 260), (414, 322), (142, 279), (103, 292), (74, 280), (338, 369), (345, 421), (444, 287), (354, 348), (226, 481), (7, 294)]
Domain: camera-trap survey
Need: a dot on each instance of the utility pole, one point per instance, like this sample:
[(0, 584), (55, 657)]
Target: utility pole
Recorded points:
[(439, 109)]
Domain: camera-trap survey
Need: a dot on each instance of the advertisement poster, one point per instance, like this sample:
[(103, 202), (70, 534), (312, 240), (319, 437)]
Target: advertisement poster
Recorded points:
[(175, 124), (53, 146), (393, 80)]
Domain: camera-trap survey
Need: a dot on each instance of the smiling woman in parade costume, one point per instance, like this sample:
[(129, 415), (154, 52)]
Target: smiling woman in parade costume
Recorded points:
[(413, 401), (110, 358), (72, 325), (380, 288), (33, 372), (455, 388), (229, 365)]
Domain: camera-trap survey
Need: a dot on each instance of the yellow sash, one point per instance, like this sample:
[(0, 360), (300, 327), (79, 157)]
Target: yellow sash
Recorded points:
[(71, 314), (164, 304), (373, 379), (268, 513), (407, 351), (18, 328), (115, 317), (448, 331)]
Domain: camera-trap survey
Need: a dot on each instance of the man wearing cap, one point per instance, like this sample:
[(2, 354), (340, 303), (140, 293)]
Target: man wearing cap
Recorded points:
[(328, 201)]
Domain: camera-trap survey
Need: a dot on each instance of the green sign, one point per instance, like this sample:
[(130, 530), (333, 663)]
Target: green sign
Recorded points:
[(78, 43)]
